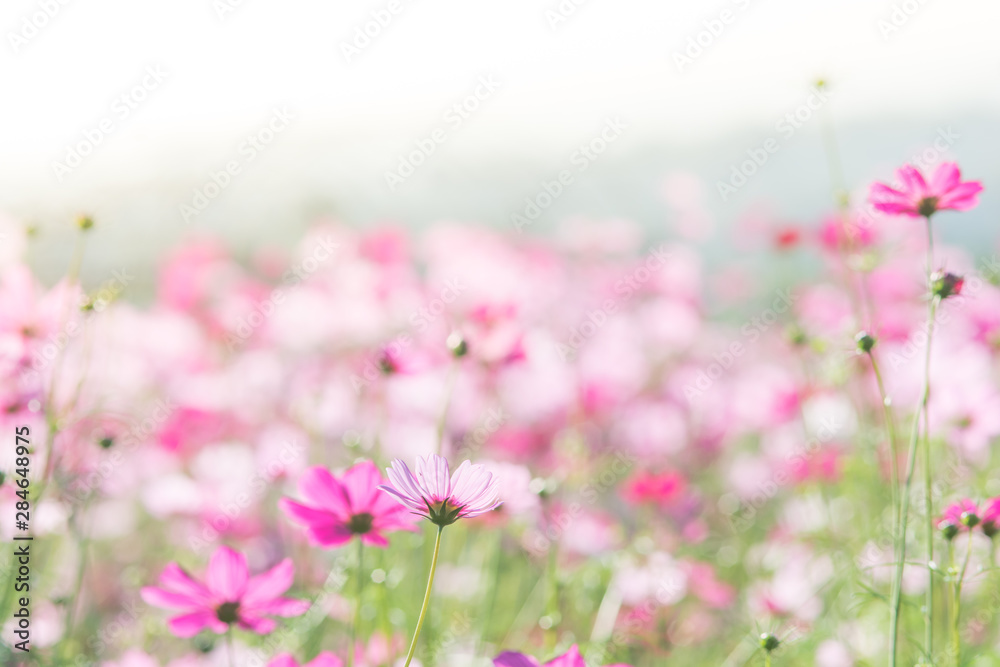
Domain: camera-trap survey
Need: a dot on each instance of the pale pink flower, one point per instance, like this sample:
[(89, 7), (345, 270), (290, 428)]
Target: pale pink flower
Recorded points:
[(571, 658), (337, 509), (324, 659), (229, 596), (470, 491), (917, 198)]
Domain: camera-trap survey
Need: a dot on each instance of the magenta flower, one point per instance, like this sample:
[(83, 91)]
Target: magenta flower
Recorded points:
[(229, 596), (963, 515), (324, 659), (469, 492), (991, 517), (335, 510), (571, 658), (918, 198)]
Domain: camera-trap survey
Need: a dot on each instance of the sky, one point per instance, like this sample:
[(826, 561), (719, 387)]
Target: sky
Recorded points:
[(162, 96)]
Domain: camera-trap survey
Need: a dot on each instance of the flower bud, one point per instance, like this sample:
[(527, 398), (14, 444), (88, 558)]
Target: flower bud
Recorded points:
[(990, 529), (769, 642), (796, 336), (85, 222), (949, 530), (944, 284), (106, 442), (865, 341), (456, 343), (969, 519), (386, 363)]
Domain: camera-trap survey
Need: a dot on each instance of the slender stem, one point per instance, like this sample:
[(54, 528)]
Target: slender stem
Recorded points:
[(229, 646), (928, 500), (890, 426), (356, 624), (84, 544), (900, 542), (427, 598), (767, 659), (443, 419), (900, 537), (957, 607)]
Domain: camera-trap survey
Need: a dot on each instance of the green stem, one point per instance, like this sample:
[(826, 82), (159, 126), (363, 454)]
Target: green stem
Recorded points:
[(84, 544), (899, 548), (427, 598), (229, 646), (356, 624), (890, 426), (957, 607), (443, 419), (900, 537), (767, 659), (928, 500)]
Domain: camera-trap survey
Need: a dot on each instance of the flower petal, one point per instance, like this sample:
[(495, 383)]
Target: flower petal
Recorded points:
[(189, 625), (512, 659), (326, 659), (165, 599), (269, 585), (361, 483), (227, 574), (304, 514), (322, 490)]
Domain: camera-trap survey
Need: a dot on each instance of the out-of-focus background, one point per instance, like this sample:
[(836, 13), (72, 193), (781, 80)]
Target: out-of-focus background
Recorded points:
[(131, 112)]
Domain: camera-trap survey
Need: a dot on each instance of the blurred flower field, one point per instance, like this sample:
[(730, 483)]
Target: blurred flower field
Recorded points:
[(593, 447)]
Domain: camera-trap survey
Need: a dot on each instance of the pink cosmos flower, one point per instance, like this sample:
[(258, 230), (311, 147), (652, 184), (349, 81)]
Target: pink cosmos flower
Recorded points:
[(470, 491), (228, 596), (918, 198), (571, 658), (324, 659), (963, 515), (647, 487), (335, 510), (991, 517)]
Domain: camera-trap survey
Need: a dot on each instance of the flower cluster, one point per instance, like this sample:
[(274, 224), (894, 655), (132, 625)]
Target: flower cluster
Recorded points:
[(386, 447)]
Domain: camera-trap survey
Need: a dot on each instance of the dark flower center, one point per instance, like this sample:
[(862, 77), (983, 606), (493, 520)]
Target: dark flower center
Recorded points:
[(360, 524), (927, 206), (228, 612)]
